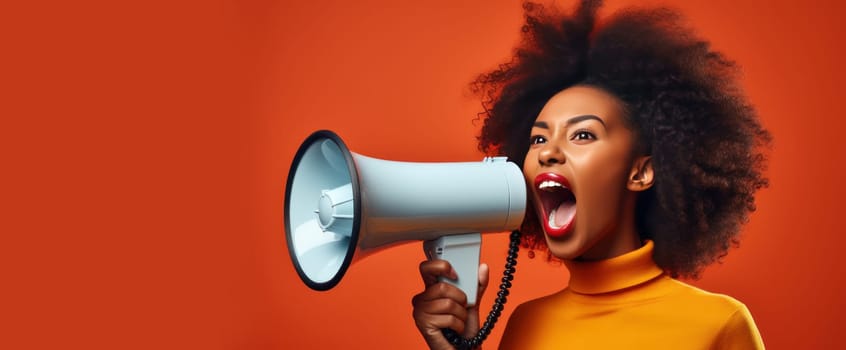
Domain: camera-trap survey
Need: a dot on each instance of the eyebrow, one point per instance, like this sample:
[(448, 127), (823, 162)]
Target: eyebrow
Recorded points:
[(573, 120)]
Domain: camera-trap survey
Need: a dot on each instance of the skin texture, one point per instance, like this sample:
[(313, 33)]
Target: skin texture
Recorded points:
[(597, 158)]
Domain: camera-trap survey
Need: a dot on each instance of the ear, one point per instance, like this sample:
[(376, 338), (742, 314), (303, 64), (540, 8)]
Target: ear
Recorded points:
[(641, 176)]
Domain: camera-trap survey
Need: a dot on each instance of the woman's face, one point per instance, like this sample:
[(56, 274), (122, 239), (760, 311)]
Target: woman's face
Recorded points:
[(581, 169)]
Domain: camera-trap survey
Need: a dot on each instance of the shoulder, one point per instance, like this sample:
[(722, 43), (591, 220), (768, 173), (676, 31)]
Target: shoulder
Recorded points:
[(529, 311), (701, 307), (532, 321), (731, 318), (667, 311), (700, 298), (539, 310)]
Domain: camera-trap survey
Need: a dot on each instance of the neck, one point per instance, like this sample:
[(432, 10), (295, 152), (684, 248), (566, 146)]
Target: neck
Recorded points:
[(609, 248), (621, 239), (615, 274)]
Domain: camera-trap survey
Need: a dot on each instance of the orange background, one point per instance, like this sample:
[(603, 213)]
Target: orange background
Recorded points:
[(145, 147)]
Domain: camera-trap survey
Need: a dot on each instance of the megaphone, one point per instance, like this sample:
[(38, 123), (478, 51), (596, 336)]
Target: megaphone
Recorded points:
[(341, 206)]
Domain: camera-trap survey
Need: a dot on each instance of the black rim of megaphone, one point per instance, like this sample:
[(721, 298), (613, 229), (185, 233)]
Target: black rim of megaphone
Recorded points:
[(311, 139)]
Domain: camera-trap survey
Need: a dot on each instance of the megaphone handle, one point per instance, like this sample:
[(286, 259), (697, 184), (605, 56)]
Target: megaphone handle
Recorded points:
[(462, 252)]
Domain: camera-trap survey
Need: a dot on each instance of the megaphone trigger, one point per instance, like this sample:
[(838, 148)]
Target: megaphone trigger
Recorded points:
[(462, 252)]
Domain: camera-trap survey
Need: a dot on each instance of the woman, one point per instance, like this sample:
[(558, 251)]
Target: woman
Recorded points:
[(642, 158)]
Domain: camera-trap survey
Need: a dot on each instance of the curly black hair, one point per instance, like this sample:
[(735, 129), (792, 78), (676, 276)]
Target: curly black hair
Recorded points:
[(682, 100)]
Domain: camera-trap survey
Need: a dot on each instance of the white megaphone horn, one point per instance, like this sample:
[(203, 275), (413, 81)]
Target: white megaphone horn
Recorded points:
[(341, 206)]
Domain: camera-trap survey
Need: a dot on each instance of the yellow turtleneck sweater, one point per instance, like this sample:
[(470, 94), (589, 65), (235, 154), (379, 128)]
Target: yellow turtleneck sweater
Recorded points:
[(627, 302)]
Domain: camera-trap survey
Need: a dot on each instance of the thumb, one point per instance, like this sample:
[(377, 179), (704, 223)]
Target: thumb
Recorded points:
[(471, 326), (484, 276)]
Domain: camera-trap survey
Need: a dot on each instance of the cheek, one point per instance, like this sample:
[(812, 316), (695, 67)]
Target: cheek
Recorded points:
[(605, 166), (602, 184)]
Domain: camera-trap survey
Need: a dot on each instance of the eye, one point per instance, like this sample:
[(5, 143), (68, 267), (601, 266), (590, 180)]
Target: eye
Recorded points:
[(583, 135), (537, 140)]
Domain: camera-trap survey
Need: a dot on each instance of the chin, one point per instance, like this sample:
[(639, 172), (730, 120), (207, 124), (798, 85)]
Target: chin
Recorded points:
[(568, 247)]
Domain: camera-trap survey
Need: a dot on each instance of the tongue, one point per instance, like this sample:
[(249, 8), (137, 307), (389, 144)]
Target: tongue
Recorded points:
[(563, 214)]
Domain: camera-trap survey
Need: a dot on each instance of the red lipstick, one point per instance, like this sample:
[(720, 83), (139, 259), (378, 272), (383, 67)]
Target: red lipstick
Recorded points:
[(556, 202)]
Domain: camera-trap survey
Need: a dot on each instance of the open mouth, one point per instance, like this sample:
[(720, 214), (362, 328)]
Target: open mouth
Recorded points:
[(557, 203)]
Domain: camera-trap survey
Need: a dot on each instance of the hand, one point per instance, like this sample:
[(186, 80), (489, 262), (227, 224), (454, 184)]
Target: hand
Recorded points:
[(442, 305)]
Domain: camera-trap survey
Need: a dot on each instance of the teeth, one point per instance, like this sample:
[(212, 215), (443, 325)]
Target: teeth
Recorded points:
[(551, 219), (549, 184)]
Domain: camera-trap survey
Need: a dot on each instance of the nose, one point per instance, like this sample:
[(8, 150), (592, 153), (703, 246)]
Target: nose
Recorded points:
[(551, 154)]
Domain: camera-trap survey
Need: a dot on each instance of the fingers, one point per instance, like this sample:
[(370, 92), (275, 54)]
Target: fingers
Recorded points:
[(441, 305), (430, 270), (435, 323), (432, 316), (439, 291)]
